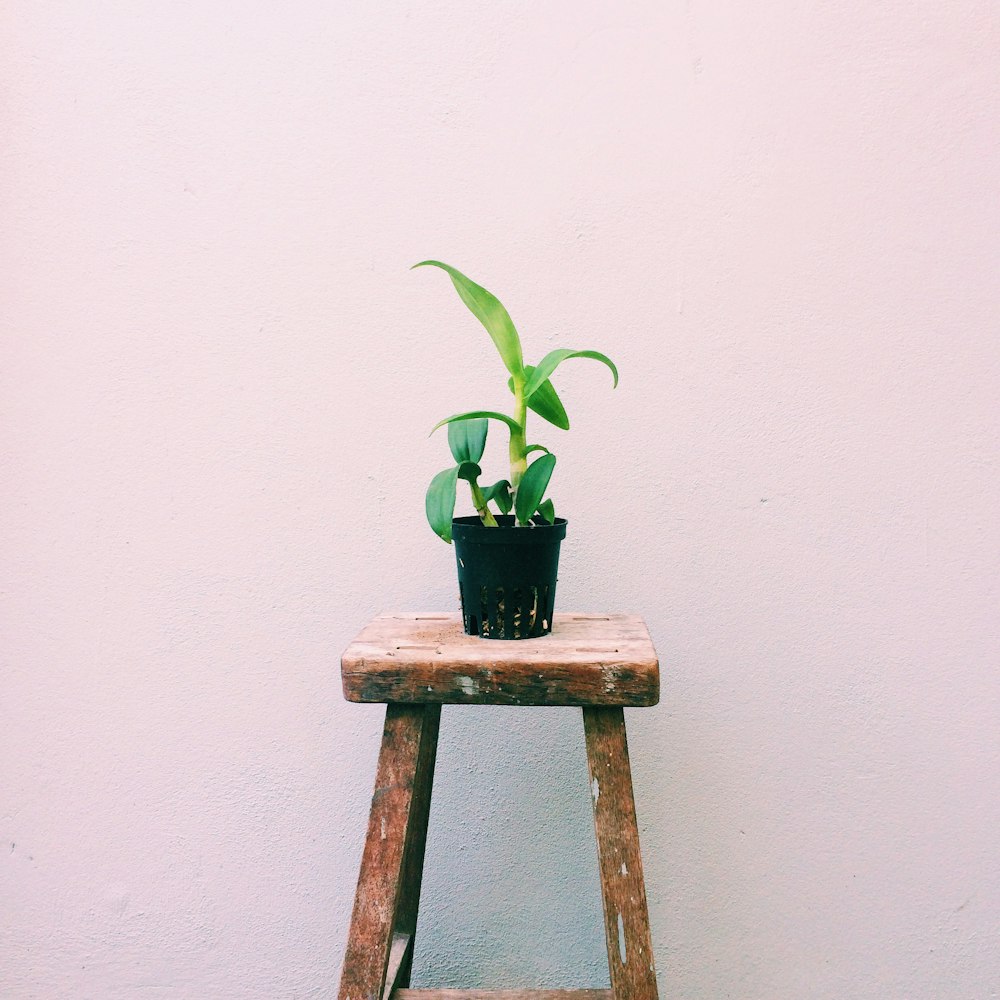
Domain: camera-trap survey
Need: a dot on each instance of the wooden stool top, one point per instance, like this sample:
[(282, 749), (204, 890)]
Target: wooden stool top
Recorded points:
[(427, 658)]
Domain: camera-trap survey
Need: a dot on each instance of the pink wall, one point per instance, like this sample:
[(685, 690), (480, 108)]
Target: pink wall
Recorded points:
[(217, 377)]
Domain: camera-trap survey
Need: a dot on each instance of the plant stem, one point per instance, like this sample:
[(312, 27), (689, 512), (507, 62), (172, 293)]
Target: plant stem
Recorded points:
[(518, 439), (482, 508)]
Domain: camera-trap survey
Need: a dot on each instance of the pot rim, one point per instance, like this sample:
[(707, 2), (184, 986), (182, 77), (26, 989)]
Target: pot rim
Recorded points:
[(471, 529)]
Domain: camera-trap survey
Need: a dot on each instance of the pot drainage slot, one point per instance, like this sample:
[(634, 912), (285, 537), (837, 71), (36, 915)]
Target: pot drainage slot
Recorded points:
[(506, 612)]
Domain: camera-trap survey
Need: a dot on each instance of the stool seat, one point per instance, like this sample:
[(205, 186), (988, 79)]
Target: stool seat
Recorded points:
[(428, 659)]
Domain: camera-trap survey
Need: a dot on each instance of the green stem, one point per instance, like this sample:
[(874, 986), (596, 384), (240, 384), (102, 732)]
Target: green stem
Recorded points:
[(482, 508), (518, 438)]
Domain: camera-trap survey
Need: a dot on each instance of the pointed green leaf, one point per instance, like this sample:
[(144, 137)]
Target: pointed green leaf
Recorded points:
[(547, 404), (548, 511), (553, 359), (500, 492), (477, 414), (545, 401), (440, 502), (536, 447), (532, 487), (467, 439), (488, 309)]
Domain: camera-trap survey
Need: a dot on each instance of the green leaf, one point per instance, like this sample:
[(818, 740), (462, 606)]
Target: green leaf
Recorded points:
[(553, 359), (488, 309), (469, 471), (536, 447), (467, 439), (545, 402), (500, 492), (440, 502), (549, 406), (475, 415), (532, 487), (548, 511)]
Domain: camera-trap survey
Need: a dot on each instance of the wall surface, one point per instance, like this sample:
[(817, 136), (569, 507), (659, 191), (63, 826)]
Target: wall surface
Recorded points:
[(218, 375)]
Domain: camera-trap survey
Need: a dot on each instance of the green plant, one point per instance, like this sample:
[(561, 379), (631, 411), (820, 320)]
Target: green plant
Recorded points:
[(524, 491)]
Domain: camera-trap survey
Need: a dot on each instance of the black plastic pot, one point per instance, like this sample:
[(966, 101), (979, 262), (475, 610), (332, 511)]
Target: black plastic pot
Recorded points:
[(507, 576)]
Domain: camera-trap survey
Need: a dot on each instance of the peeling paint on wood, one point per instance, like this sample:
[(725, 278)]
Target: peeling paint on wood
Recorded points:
[(585, 660), (388, 892), (626, 919), (468, 686)]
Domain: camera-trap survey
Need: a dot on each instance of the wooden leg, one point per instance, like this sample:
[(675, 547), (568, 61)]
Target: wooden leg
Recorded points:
[(384, 921), (626, 919)]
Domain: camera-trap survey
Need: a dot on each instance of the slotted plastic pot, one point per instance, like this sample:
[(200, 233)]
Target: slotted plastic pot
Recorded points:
[(507, 576)]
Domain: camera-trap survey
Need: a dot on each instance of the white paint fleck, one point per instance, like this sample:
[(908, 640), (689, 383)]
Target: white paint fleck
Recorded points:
[(469, 686), (624, 868), (595, 789), (383, 828)]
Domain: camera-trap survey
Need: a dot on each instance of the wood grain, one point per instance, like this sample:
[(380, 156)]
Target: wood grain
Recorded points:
[(626, 919), (388, 892), (502, 995), (428, 658)]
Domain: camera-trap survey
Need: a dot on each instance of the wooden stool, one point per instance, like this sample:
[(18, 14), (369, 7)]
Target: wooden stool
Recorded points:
[(417, 662)]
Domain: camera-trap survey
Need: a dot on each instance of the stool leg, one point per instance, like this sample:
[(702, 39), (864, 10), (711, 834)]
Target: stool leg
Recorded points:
[(626, 919), (384, 920)]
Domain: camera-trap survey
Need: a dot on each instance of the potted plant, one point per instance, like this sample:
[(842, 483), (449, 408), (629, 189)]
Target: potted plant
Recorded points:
[(508, 560)]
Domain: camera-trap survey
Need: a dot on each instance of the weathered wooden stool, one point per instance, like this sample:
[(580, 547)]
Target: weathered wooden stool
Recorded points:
[(417, 662)]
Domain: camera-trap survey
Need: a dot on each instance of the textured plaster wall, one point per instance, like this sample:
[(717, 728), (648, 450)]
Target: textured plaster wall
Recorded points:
[(217, 379)]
